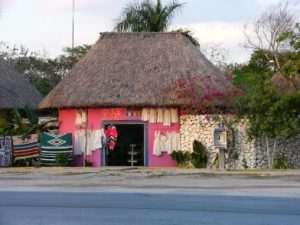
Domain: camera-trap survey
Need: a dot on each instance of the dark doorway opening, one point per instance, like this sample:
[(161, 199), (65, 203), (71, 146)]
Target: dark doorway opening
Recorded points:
[(128, 134)]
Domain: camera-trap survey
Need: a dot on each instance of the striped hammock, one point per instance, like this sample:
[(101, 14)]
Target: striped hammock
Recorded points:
[(25, 147), (52, 145)]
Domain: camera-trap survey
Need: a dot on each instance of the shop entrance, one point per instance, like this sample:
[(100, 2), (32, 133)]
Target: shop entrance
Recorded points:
[(129, 135)]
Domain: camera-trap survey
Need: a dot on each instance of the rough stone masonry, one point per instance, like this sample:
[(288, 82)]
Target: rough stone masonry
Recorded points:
[(241, 153)]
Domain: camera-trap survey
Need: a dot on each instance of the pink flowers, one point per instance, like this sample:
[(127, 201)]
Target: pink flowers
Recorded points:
[(204, 94)]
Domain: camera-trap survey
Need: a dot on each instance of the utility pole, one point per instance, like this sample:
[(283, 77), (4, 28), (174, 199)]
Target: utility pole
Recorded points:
[(73, 11)]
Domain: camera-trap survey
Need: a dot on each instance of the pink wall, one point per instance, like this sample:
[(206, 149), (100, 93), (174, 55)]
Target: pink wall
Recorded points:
[(67, 125), (164, 160), (95, 120)]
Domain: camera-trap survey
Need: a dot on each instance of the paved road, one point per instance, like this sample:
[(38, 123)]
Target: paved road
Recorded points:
[(145, 207)]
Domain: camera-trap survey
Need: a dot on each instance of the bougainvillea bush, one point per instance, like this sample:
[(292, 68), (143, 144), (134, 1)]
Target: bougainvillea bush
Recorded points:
[(207, 96)]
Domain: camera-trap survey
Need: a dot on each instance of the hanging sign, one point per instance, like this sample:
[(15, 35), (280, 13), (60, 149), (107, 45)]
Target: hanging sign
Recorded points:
[(134, 113)]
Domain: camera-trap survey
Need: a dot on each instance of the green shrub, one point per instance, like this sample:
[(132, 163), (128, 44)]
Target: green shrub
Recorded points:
[(181, 157), (245, 164), (199, 155), (281, 162), (88, 163), (62, 159)]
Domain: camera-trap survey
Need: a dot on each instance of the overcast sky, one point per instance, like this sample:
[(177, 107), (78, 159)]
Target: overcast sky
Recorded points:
[(46, 24)]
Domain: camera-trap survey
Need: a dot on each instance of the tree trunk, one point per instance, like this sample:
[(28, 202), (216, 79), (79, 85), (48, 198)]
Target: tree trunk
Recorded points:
[(274, 149), (268, 152)]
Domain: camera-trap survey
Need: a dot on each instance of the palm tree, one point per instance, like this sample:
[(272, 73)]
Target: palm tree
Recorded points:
[(147, 16)]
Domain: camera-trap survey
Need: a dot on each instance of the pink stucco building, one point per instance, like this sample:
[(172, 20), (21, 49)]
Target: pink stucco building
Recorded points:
[(123, 81)]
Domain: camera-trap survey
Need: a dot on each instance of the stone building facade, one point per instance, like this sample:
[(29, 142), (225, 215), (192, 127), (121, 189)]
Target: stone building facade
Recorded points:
[(241, 153)]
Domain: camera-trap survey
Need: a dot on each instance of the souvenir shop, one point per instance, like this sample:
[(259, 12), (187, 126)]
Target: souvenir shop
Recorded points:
[(122, 136), (101, 137), (122, 83)]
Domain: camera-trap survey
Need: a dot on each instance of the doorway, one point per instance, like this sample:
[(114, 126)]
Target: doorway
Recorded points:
[(129, 135)]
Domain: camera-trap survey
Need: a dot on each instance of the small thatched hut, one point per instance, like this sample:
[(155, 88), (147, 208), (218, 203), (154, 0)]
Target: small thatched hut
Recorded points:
[(121, 79), (15, 91)]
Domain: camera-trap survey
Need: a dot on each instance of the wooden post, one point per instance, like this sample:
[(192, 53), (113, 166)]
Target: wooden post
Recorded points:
[(86, 137)]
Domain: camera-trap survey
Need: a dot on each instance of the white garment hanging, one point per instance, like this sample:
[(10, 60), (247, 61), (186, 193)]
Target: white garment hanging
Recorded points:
[(78, 120), (89, 142), (160, 115), (145, 114), (167, 117), (80, 142), (84, 119), (174, 116), (163, 143), (98, 139), (168, 143), (157, 144), (94, 141), (175, 141), (152, 116)]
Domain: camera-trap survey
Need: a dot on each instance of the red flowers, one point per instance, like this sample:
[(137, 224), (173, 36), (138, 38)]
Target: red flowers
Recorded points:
[(204, 94)]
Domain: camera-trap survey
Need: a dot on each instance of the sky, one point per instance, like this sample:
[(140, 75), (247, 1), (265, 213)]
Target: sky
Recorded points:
[(45, 25)]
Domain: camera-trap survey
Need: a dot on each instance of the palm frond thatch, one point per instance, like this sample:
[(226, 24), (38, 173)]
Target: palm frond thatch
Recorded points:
[(15, 91), (131, 69)]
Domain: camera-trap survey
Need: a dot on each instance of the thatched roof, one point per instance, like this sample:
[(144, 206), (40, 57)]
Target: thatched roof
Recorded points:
[(131, 69), (15, 91), (284, 84)]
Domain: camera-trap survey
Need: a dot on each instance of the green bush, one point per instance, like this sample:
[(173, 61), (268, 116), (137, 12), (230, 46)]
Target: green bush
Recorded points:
[(62, 159), (181, 157), (281, 162), (199, 155), (88, 163), (245, 164)]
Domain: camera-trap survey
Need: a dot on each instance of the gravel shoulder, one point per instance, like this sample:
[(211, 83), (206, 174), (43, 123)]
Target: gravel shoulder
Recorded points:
[(256, 182)]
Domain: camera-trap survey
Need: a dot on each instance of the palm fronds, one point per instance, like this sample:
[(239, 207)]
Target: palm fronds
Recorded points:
[(146, 16)]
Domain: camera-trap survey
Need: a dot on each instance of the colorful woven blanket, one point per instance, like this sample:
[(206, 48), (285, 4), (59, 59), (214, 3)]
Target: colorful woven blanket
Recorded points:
[(26, 147), (5, 151), (52, 145)]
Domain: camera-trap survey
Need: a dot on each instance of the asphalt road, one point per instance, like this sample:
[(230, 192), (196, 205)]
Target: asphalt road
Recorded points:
[(145, 207)]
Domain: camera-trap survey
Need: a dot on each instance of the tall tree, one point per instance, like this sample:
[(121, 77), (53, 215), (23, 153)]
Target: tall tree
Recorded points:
[(273, 33), (147, 16), (270, 115)]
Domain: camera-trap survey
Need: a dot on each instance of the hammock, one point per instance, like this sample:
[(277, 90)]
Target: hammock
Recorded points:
[(26, 147)]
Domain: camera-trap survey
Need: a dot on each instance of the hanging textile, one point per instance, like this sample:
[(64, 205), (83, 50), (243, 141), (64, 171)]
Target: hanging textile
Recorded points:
[(157, 148), (94, 140), (52, 145), (84, 119), (81, 119), (165, 143), (167, 117), (145, 114), (97, 139), (78, 120), (111, 136), (80, 142), (5, 151), (160, 115), (168, 145), (26, 147), (152, 116), (90, 140), (176, 141), (174, 116)]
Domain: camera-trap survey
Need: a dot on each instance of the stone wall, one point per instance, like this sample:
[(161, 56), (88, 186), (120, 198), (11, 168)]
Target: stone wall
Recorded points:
[(240, 153)]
